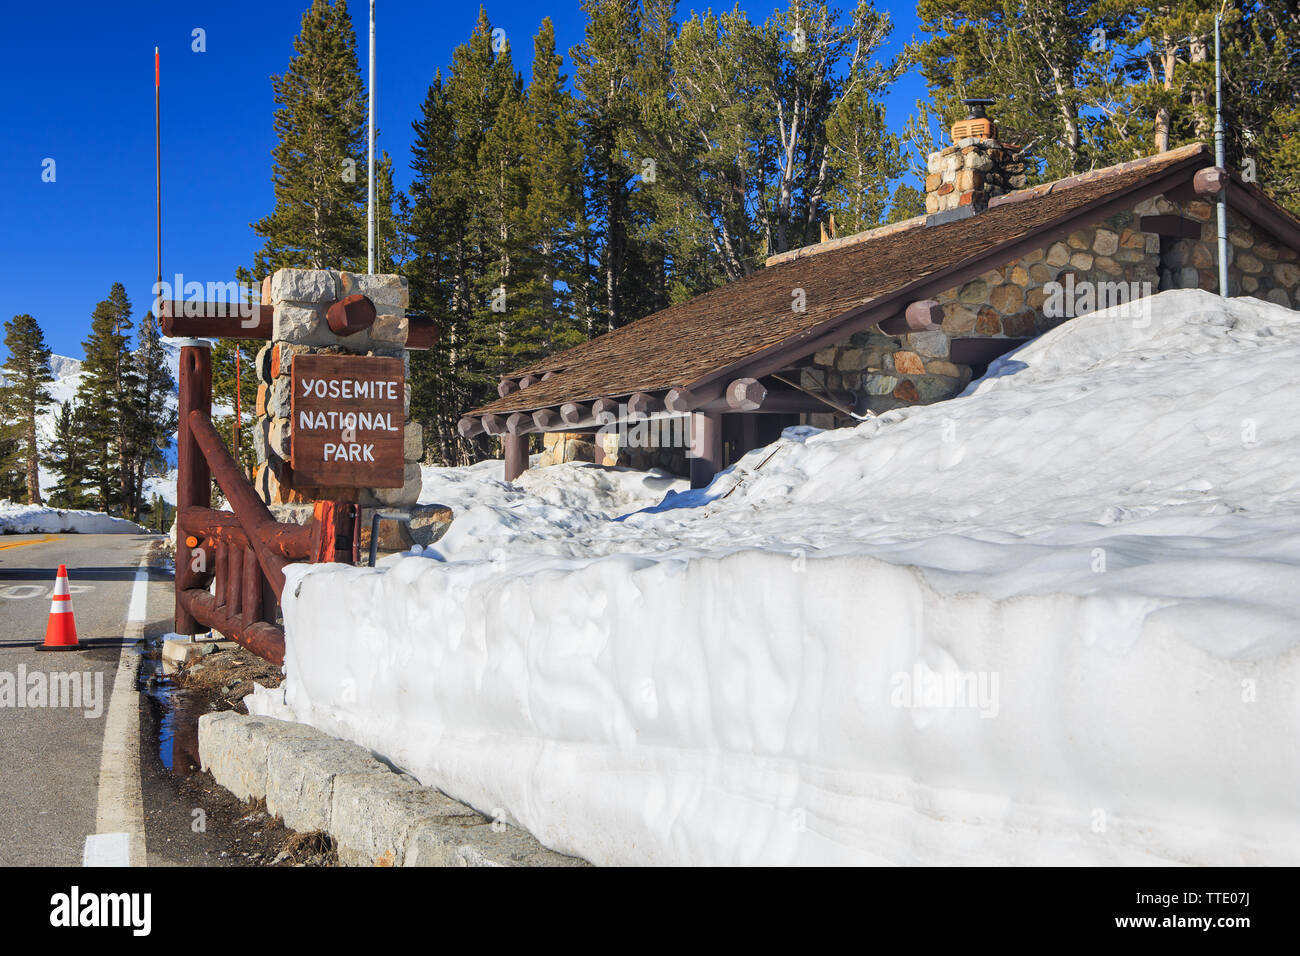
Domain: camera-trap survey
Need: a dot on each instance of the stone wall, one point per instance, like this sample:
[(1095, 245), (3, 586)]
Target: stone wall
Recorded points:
[(878, 372), (300, 298), (605, 448), (1257, 266)]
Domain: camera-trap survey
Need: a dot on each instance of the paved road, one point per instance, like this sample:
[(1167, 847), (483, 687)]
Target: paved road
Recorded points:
[(50, 757)]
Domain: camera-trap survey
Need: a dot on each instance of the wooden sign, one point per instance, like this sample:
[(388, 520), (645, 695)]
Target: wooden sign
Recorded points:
[(347, 421)]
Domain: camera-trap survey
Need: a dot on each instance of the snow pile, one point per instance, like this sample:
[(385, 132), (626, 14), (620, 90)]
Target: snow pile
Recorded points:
[(36, 519), (1052, 620), (549, 510)]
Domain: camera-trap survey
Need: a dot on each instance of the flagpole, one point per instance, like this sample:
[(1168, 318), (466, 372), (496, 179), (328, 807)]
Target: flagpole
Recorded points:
[(157, 153), (370, 176)]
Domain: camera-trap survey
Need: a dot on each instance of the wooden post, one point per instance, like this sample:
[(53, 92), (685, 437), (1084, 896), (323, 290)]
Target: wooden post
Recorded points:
[(516, 450), (706, 447), (193, 477)]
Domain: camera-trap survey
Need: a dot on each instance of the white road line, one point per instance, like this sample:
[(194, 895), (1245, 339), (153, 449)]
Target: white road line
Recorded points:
[(118, 839)]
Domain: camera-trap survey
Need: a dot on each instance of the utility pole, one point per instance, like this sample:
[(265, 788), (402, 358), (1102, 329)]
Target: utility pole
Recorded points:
[(1220, 160)]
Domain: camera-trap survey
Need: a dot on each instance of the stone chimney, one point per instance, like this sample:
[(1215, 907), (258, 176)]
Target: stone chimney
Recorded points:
[(974, 169)]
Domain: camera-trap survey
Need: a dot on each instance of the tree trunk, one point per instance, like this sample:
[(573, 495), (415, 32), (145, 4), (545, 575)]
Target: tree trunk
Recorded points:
[(33, 471)]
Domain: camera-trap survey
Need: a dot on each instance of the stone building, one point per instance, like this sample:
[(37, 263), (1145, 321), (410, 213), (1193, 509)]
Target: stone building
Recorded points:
[(904, 314)]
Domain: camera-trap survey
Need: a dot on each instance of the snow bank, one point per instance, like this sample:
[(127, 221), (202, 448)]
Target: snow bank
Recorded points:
[(35, 519), (549, 510), (1051, 620)]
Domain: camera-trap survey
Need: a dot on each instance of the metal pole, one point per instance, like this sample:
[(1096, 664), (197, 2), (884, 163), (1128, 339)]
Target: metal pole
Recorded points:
[(370, 177), (1220, 160), (157, 155)]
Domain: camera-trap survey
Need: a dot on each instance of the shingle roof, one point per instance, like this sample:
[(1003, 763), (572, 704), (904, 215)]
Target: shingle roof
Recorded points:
[(684, 344)]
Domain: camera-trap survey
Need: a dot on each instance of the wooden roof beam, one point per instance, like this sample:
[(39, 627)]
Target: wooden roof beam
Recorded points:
[(520, 423), (469, 426), (1264, 212), (546, 419), (746, 395), (643, 405), (925, 315), (604, 411), (576, 413)]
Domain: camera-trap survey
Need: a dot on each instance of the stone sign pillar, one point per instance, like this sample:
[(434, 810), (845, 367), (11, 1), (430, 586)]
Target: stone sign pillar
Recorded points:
[(353, 413)]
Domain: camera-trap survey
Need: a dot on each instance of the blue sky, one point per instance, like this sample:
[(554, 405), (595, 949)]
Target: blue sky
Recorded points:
[(79, 79)]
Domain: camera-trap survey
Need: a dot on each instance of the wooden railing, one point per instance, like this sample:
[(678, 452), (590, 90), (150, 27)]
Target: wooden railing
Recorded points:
[(243, 551)]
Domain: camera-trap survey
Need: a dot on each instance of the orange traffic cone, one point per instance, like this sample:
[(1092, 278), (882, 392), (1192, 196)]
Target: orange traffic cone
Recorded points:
[(61, 631)]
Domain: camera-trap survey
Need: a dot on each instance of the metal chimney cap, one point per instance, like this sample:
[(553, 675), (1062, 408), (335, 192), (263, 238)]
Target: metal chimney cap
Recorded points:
[(975, 106)]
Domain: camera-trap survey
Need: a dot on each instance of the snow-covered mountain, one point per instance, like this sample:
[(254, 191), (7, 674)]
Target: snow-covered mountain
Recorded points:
[(67, 377)]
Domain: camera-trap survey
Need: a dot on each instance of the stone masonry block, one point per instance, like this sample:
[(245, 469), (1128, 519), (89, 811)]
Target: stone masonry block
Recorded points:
[(278, 437), (300, 778), (313, 286), (389, 328), (263, 362), (301, 325), (391, 291), (278, 399), (405, 496), (929, 344), (372, 816), (413, 441), (450, 843), (234, 748)]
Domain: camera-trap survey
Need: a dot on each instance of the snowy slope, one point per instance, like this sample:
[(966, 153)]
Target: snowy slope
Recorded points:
[(1052, 620), (67, 375)]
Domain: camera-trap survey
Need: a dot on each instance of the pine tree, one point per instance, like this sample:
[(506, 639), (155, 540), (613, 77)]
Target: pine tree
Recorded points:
[(464, 217), (105, 396), (25, 394), (547, 266), (393, 246), (320, 170), (224, 400), (13, 470), (907, 203), (154, 417), (611, 73), (1040, 59), (863, 156), (1165, 86), (437, 269), (70, 456)]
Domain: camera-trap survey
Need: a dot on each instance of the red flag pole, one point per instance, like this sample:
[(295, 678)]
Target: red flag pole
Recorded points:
[(239, 414)]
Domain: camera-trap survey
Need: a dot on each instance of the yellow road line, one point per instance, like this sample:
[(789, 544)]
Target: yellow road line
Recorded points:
[(23, 544)]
